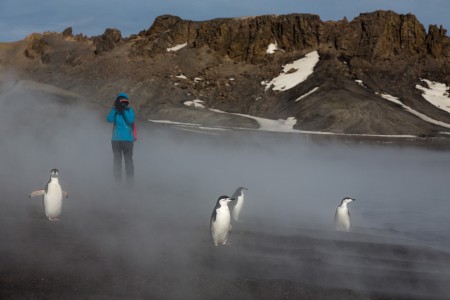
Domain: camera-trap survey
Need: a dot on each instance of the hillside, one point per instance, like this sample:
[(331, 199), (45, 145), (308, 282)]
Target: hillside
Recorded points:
[(380, 74)]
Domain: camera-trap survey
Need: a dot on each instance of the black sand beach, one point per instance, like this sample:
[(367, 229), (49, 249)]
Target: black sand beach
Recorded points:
[(137, 251)]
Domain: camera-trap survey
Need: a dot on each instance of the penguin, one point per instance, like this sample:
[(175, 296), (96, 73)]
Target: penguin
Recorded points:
[(52, 196), (342, 220), (239, 196), (220, 221)]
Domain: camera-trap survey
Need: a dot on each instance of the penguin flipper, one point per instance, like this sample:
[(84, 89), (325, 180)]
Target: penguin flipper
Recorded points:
[(65, 194), (36, 193)]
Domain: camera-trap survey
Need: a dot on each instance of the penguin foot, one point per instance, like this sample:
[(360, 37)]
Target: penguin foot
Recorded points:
[(53, 219)]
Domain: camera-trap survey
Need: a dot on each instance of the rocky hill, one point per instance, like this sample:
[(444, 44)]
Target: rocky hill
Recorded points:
[(376, 74)]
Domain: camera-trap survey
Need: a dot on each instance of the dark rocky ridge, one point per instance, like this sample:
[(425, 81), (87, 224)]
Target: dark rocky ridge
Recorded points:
[(374, 36), (389, 52)]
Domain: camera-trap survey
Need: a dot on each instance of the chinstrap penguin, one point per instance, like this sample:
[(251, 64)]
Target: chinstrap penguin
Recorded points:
[(237, 207), (220, 221), (342, 219), (52, 196)]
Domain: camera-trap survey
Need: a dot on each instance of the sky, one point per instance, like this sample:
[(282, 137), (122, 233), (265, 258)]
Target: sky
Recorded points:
[(19, 18)]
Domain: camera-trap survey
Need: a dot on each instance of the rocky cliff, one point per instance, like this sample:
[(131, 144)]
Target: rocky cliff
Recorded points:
[(371, 36), (223, 62)]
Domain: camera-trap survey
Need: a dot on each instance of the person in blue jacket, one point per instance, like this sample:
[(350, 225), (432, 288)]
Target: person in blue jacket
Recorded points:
[(122, 116)]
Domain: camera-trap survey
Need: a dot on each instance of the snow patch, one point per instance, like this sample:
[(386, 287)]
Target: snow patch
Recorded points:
[(392, 99), (307, 94), (172, 122), (414, 112), (279, 125), (272, 48), (176, 48), (436, 93), (218, 111), (360, 82), (294, 73), (197, 103)]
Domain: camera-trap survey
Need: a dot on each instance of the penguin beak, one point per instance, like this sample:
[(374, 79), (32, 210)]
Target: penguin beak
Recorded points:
[(232, 199)]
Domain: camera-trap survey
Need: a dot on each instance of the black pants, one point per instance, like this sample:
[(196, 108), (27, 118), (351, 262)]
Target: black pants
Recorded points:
[(125, 148)]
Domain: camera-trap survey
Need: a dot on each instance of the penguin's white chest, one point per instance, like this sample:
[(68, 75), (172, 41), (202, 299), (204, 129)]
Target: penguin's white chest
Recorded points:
[(342, 220), (53, 200), (237, 208), (220, 228)]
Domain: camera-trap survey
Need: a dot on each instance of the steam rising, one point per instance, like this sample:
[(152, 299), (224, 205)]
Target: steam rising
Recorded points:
[(128, 240)]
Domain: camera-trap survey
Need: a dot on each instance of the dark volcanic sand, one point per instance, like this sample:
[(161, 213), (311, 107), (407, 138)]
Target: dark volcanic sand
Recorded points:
[(142, 251)]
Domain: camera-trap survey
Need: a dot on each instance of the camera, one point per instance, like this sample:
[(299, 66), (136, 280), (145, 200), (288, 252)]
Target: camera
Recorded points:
[(120, 106)]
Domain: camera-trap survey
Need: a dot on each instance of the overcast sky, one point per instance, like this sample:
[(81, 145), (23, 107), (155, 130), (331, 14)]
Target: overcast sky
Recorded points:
[(19, 18)]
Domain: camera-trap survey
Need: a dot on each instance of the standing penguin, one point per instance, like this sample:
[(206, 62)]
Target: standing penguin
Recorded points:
[(52, 196), (342, 219), (239, 196), (220, 221)]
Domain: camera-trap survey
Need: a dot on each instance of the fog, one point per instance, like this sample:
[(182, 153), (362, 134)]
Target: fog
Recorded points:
[(162, 224)]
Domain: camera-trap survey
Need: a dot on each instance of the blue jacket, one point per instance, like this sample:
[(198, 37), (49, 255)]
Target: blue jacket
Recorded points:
[(123, 129)]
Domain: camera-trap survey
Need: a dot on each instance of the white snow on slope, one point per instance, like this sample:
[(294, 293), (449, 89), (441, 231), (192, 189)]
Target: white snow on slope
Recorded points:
[(272, 48), (197, 103), (176, 48), (294, 73), (287, 127), (360, 82), (436, 93), (307, 94), (173, 122), (414, 112), (279, 125)]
